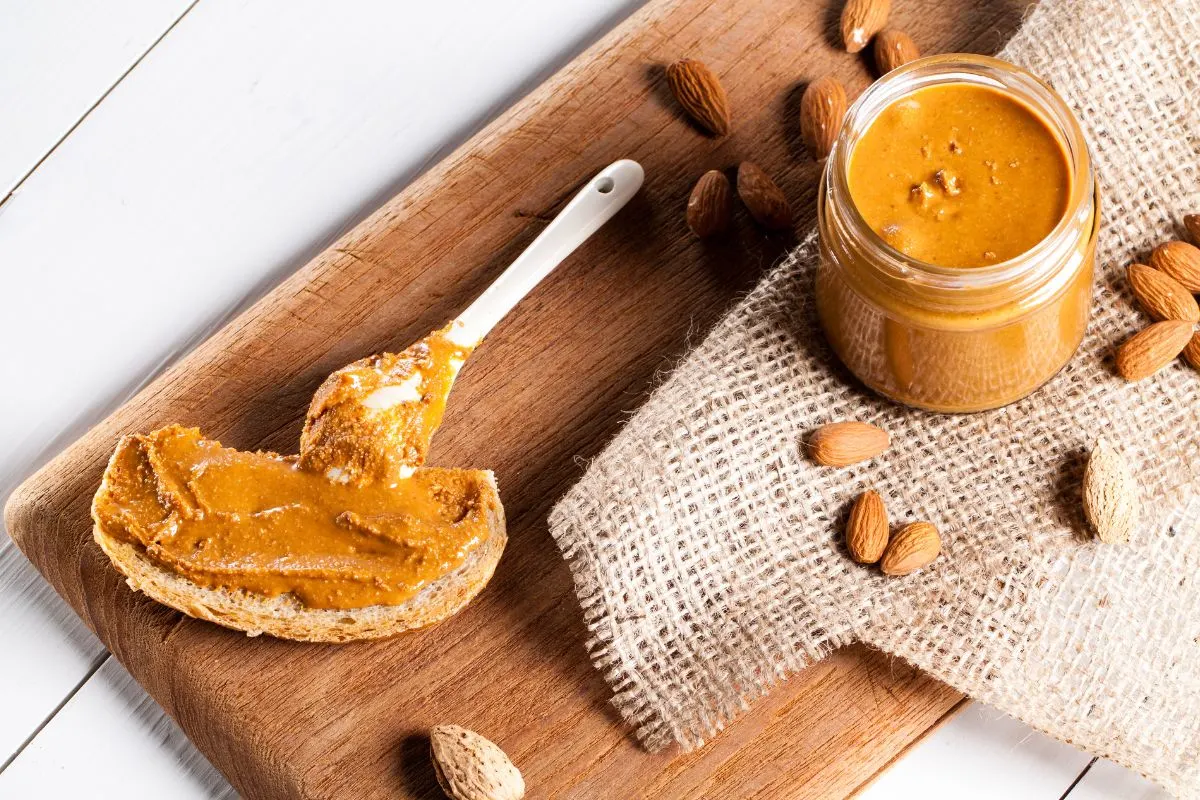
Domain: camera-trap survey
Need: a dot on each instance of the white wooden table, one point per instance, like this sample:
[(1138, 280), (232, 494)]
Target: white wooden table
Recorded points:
[(191, 153)]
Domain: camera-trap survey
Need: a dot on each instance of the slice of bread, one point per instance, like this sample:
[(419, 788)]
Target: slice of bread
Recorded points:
[(287, 618)]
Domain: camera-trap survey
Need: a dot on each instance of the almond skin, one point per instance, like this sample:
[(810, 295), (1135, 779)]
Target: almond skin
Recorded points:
[(1152, 349), (862, 19), (914, 546), (1191, 224), (710, 205), (894, 48), (867, 528), (1181, 261), (1191, 353), (1162, 296), (840, 444), (764, 200), (702, 96), (470, 767), (822, 109), (1110, 495)]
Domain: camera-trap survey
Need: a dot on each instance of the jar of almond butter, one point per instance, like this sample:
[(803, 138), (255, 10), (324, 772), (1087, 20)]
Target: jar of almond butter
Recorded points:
[(957, 219)]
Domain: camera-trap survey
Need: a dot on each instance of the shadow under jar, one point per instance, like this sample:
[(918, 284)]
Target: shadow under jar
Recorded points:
[(957, 217)]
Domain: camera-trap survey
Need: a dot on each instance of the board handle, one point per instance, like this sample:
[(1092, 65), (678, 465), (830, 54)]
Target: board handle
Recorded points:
[(597, 202)]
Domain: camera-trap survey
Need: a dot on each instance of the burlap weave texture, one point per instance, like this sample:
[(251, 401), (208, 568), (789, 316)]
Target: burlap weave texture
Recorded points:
[(704, 544)]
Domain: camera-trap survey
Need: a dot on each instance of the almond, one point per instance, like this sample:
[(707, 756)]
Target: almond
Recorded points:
[(469, 767), (1191, 224), (764, 200), (867, 528), (862, 19), (840, 444), (1162, 296), (1192, 352), (1110, 495), (1152, 349), (894, 48), (702, 96), (710, 205), (822, 109), (1181, 261), (914, 546)]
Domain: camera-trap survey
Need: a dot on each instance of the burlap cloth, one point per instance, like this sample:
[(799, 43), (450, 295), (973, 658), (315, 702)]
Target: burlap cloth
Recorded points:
[(706, 549)]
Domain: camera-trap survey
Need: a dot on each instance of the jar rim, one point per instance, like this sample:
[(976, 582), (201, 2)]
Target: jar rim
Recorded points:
[(1033, 265)]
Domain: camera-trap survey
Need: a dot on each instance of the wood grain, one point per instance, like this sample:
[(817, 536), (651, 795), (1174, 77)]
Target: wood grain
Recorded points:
[(549, 388)]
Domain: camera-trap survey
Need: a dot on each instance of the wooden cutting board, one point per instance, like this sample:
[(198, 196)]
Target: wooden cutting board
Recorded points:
[(544, 394)]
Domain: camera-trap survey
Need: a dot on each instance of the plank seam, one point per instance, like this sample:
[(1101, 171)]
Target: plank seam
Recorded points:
[(16, 187), (54, 712)]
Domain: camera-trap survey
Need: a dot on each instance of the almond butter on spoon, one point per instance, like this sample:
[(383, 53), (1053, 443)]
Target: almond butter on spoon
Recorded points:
[(373, 420)]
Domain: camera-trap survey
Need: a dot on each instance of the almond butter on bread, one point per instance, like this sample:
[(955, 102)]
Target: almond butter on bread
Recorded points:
[(132, 494)]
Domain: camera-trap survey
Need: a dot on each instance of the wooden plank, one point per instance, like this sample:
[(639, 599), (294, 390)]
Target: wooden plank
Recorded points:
[(545, 390), (994, 755), (114, 696), (273, 107), (1107, 781), (57, 59)]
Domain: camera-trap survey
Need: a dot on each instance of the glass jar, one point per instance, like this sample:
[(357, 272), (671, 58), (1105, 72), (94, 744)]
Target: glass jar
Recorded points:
[(944, 338)]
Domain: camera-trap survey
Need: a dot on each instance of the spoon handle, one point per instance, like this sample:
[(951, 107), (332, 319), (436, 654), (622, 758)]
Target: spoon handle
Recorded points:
[(602, 197)]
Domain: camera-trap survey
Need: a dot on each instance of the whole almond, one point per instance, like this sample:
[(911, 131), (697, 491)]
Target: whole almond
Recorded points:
[(1152, 349), (894, 48), (1162, 296), (1181, 261), (710, 205), (822, 109), (469, 767), (1191, 224), (840, 444), (1110, 495), (914, 546), (702, 96), (1191, 353), (867, 528), (764, 200), (862, 19)]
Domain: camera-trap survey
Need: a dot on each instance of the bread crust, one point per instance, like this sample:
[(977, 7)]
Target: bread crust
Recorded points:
[(285, 617)]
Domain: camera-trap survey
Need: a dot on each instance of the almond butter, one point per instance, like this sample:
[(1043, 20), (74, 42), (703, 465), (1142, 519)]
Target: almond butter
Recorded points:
[(867, 528), (1110, 495), (1162, 296), (1152, 349), (862, 19), (894, 48), (1181, 261), (764, 200), (1191, 223), (1191, 353), (914, 546), (840, 444), (710, 205), (822, 109), (469, 767), (701, 94)]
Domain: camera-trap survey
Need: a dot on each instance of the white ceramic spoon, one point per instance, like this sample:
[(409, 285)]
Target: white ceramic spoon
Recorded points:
[(596, 203), (373, 419)]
